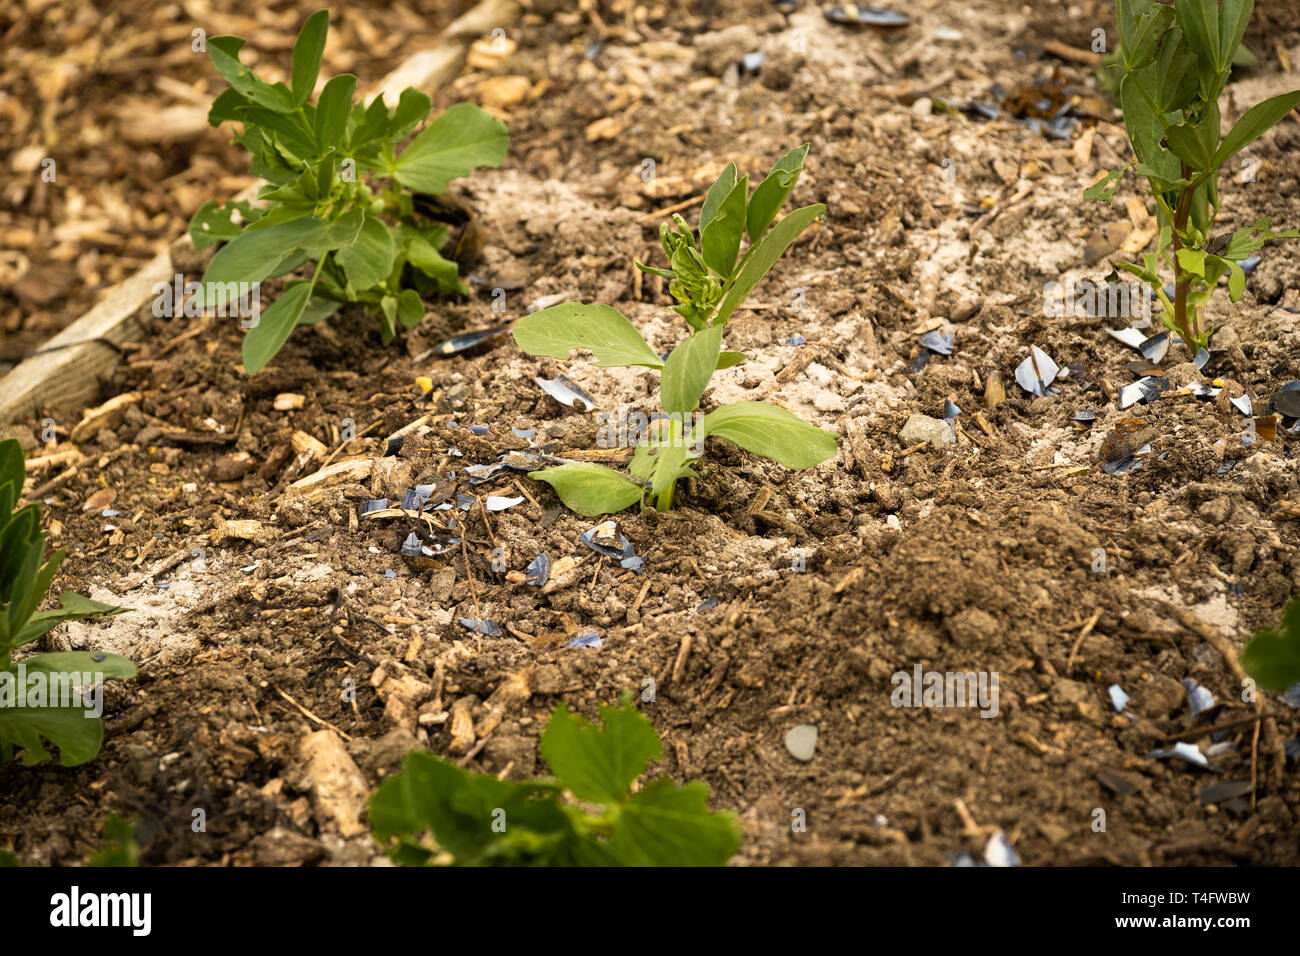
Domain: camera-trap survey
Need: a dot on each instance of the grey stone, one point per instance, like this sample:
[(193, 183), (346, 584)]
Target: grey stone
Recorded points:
[(922, 428), (801, 741)]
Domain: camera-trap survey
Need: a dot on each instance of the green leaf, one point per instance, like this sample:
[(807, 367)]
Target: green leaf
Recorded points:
[(1257, 121), (77, 736), (1176, 73), (1249, 240), (212, 224), (410, 308), (253, 255), (1141, 24), (412, 109), (599, 765), (224, 53), (102, 666), (1272, 658), (761, 257), (229, 106), (720, 190), (1236, 277), (332, 110), (1195, 145), (369, 260), (729, 359), (772, 191), (602, 330), (423, 256), (1192, 260), (1199, 21), (307, 52), (371, 125), (1105, 188), (475, 818), (687, 372), (590, 489), (13, 467), (274, 326), (461, 139), (120, 848), (771, 432), (1145, 128), (388, 318), (291, 134), (720, 239), (29, 591), (318, 309), (664, 825), (1234, 17), (338, 234)]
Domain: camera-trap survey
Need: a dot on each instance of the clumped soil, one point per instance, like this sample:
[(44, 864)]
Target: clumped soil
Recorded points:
[(768, 599)]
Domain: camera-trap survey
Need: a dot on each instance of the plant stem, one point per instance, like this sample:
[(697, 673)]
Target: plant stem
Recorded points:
[(1183, 282), (665, 500)]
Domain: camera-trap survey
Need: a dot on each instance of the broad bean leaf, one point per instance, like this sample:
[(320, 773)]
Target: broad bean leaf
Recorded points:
[(590, 489), (762, 256), (460, 140), (771, 432), (604, 331)]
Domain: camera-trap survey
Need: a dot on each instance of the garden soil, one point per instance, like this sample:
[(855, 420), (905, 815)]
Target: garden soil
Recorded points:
[(285, 645)]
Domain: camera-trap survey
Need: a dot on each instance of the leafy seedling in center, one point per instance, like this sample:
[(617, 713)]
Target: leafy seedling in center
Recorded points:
[(709, 278)]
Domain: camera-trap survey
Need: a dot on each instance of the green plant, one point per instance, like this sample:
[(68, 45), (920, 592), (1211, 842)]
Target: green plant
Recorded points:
[(364, 244), (709, 282), (25, 576), (1173, 63), (476, 819), (119, 848), (1272, 658)]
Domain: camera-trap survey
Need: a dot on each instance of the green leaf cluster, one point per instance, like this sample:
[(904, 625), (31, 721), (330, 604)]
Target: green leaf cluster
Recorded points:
[(25, 577), (322, 205), (1272, 658), (709, 278), (435, 813), (1171, 65)]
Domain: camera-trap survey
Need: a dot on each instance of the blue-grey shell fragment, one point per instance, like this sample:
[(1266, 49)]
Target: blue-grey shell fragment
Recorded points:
[(939, 342), (371, 505), (566, 392), (1033, 381), (1287, 399), (466, 342), (1198, 697), (539, 570)]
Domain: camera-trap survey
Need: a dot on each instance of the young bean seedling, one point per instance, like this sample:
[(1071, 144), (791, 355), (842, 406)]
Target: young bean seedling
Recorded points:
[(1173, 63), (363, 243), (435, 813), (709, 279), (29, 710)]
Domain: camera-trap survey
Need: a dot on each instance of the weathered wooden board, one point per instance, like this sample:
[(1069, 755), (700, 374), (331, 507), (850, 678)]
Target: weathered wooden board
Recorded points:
[(64, 373)]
